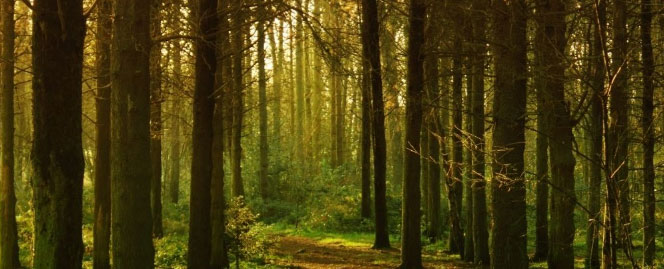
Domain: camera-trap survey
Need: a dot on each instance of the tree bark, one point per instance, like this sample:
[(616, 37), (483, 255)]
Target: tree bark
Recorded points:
[(365, 138), (616, 144), (619, 122), (156, 121), (411, 249), (649, 202), (8, 229), (541, 146), (508, 192), (299, 84), (468, 249), (432, 119), (454, 182), (176, 146), (551, 46), (131, 215), (237, 20), (372, 54), (596, 131), (201, 164), (218, 248), (480, 233), (102, 189), (57, 153), (262, 103)]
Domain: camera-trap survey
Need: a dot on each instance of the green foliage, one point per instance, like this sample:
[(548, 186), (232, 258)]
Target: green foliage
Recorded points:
[(171, 251), (246, 237)]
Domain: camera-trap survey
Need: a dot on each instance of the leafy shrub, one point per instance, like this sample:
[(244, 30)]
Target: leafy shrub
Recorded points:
[(247, 238)]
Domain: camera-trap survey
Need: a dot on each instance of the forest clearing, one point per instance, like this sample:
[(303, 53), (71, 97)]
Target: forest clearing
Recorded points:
[(214, 134)]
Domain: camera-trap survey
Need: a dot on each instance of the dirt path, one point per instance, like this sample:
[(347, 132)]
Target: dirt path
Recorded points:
[(303, 252)]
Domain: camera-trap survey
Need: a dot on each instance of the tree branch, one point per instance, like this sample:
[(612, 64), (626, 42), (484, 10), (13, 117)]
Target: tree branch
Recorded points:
[(92, 7), (27, 3)]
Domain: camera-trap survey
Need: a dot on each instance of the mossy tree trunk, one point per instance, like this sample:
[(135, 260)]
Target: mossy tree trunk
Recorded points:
[(57, 153)]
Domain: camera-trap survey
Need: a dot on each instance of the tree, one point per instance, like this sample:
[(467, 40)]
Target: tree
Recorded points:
[(219, 254), (372, 55), (541, 145), (616, 128), (411, 249), (454, 181), (365, 136), (618, 140), (596, 122), (176, 146), (551, 43), (201, 162), (57, 153), (237, 44), (433, 130), (8, 230), (131, 216), (156, 121), (649, 135), (262, 102), (102, 224), (299, 82), (508, 246), (480, 234)]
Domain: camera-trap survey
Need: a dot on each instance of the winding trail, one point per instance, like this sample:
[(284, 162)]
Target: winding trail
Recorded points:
[(302, 252)]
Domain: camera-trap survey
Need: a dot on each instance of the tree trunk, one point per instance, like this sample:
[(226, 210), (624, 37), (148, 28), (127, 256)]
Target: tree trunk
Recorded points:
[(542, 142), (339, 124), (277, 81), (8, 229), (424, 155), (57, 153), (454, 182), (299, 84), (480, 234), (176, 147), (619, 122), (130, 139), (649, 135), (237, 20), (468, 249), (201, 164), (596, 131), (551, 46), (372, 54), (262, 104), (508, 191), (102, 224), (365, 137), (432, 119), (218, 247), (317, 86), (156, 121), (411, 249)]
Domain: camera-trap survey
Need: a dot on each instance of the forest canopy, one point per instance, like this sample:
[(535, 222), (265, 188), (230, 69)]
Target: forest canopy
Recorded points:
[(331, 134)]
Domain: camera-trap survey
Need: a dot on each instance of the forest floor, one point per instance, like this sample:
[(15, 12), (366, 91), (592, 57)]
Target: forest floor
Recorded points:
[(328, 251)]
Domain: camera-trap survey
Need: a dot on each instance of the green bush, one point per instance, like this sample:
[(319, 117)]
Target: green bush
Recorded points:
[(247, 238)]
